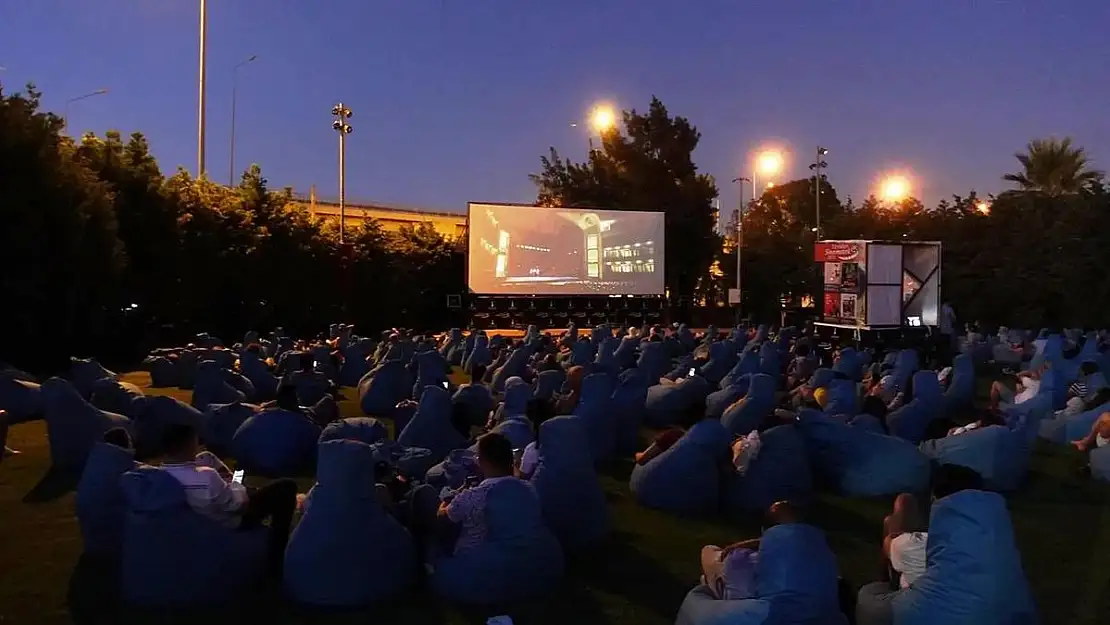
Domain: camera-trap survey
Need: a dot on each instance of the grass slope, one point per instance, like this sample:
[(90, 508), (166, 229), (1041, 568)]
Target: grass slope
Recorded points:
[(639, 577)]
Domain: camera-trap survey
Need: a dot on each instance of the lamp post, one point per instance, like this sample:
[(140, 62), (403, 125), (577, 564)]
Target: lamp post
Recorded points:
[(234, 93), (341, 114), (818, 164), (65, 112), (200, 87), (739, 240), (601, 119)]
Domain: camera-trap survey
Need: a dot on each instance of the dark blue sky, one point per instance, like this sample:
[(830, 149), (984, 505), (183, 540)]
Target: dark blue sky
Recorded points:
[(456, 100)]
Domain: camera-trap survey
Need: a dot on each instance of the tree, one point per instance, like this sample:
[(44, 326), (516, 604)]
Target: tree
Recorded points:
[(1054, 167), (646, 166)]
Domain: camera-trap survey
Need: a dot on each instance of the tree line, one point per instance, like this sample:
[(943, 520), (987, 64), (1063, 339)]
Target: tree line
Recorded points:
[(103, 253)]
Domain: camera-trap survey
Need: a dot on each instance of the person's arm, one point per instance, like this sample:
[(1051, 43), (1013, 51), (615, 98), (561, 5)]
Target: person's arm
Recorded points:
[(221, 494), (647, 455), (460, 506), (210, 460), (752, 543)]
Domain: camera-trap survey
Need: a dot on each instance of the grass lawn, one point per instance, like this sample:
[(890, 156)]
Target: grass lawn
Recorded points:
[(639, 577)]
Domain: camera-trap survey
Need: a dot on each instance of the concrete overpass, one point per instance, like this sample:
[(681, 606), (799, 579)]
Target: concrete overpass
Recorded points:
[(390, 216)]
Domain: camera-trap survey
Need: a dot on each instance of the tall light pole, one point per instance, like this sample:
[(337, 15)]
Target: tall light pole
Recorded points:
[(739, 240), (339, 124), (65, 112), (200, 87), (818, 164), (234, 92)]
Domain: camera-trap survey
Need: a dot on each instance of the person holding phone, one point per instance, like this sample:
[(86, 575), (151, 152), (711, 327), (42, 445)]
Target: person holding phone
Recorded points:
[(211, 490), (466, 510)]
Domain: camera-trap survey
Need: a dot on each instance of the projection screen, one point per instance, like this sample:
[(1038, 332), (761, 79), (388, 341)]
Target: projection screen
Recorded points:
[(531, 250)]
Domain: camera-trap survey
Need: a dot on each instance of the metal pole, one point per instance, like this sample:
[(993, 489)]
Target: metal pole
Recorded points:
[(231, 155), (65, 111), (200, 87), (342, 184), (739, 244), (817, 190)]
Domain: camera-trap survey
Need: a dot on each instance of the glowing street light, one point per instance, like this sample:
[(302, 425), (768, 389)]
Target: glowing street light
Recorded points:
[(603, 118), (983, 206), (895, 188), (769, 163)]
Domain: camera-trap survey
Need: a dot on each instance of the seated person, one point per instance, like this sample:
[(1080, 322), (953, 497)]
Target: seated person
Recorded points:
[(120, 438), (666, 439), (905, 533), (944, 377), (729, 572), (1028, 383), (466, 510), (538, 412), (801, 368), (987, 418), (1099, 436), (1084, 390), (565, 403), (210, 491)]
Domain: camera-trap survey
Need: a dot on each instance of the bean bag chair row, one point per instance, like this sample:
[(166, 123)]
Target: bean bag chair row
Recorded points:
[(519, 560), (750, 412), (860, 463), (598, 419), (973, 573), (796, 582), (431, 427), (996, 452), (627, 406), (73, 425), (665, 405), (911, 421), (571, 498), (961, 387), (101, 506), (83, 373), (380, 390), (347, 550), (173, 557), (21, 398), (686, 478), (276, 443), (780, 472), (456, 468)]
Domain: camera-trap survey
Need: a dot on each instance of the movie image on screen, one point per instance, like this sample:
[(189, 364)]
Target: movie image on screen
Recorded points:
[(531, 250)]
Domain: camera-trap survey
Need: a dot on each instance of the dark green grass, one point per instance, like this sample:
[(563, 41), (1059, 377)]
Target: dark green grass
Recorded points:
[(638, 577)]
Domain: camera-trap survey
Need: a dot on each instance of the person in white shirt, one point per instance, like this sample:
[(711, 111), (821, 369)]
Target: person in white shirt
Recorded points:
[(211, 491), (1028, 383)]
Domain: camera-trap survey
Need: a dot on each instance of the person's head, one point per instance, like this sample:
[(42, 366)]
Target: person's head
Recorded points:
[(948, 479), (286, 397), (782, 512), (180, 442), (1088, 368), (495, 455), (118, 437)]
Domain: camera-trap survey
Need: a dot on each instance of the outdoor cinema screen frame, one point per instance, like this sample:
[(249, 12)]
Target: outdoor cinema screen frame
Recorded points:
[(523, 250)]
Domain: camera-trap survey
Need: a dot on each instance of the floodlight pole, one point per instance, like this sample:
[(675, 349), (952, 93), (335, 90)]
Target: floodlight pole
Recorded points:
[(200, 87), (341, 114), (817, 166), (739, 240)]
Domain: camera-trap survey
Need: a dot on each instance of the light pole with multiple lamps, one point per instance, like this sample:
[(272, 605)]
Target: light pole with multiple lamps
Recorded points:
[(65, 111), (341, 114), (234, 94), (818, 165)]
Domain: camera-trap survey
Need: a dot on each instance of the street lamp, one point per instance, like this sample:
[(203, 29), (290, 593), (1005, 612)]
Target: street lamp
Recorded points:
[(65, 113), (818, 164), (768, 164), (234, 91), (894, 188), (200, 87), (601, 119), (339, 124), (983, 206), (739, 239)]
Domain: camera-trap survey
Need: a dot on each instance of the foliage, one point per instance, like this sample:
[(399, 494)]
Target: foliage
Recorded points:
[(1054, 167), (97, 244)]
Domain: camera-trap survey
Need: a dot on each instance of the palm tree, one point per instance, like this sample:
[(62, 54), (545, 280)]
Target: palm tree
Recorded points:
[(1054, 167)]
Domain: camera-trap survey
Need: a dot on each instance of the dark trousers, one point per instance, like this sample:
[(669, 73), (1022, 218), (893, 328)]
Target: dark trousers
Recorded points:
[(275, 501)]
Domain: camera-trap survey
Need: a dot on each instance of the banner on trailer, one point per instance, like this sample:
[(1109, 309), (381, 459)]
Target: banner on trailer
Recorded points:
[(840, 252)]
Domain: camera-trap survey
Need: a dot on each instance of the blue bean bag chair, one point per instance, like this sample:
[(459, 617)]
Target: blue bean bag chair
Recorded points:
[(573, 503), (431, 428), (276, 443), (74, 426), (780, 472), (101, 507), (1064, 429), (848, 364), (520, 559), (796, 582), (163, 372), (347, 550), (905, 365), (220, 423), (748, 365), (769, 361), (750, 412), (973, 574), (911, 421), (412, 462), (186, 369), (362, 429), (719, 401), (996, 452), (841, 398), (453, 348), (626, 353), (21, 398), (582, 353), (175, 558), (961, 387), (548, 383), (721, 360), (479, 355), (256, 370), (311, 386), (683, 369), (84, 373), (515, 401), (431, 370), (860, 463), (685, 479), (477, 400), (154, 413), (606, 360), (627, 406), (456, 468), (821, 378), (1100, 463), (654, 361), (665, 405), (597, 416), (383, 388), (212, 387)]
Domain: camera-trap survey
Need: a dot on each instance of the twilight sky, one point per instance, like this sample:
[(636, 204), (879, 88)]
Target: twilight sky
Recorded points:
[(455, 100)]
